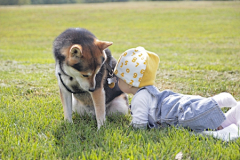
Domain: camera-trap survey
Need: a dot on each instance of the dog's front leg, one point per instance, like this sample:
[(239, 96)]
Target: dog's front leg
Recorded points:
[(66, 98), (98, 97)]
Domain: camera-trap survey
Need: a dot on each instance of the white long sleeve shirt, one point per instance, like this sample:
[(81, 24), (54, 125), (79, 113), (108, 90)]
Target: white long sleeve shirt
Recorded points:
[(143, 104)]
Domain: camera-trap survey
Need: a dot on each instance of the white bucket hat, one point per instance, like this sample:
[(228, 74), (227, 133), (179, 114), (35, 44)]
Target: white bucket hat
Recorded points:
[(137, 67)]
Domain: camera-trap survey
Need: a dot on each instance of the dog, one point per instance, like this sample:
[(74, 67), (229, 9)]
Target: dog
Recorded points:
[(83, 67)]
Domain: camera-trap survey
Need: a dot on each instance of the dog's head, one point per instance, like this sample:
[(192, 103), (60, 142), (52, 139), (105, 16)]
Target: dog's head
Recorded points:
[(83, 56), (85, 62)]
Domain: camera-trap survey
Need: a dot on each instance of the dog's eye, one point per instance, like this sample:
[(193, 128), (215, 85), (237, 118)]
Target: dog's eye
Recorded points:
[(85, 75)]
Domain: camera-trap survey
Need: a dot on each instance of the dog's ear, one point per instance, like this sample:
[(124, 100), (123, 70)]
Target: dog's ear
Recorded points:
[(103, 44), (76, 51)]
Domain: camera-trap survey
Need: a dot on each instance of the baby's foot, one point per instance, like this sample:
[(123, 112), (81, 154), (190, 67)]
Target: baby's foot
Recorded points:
[(225, 100), (232, 116), (238, 114)]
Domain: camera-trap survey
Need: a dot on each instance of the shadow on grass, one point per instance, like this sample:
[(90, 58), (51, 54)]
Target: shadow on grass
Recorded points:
[(73, 139), (116, 140)]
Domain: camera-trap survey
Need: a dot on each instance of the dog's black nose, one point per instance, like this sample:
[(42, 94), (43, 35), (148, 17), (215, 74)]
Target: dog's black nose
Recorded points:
[(91, 89)]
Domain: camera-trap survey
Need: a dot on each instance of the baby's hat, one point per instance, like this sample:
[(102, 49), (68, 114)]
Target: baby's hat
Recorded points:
[(137, 67)]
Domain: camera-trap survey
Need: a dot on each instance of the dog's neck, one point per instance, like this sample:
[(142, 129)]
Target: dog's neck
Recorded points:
[(60, 67), (70, 78)]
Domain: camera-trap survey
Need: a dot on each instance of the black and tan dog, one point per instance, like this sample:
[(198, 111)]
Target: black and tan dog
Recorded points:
[(83, 65)]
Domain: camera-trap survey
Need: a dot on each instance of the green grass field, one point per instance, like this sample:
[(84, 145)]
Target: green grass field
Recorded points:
[(199, 47)]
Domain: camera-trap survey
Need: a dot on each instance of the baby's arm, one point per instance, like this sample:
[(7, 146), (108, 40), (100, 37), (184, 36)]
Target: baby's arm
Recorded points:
[(140, 108)]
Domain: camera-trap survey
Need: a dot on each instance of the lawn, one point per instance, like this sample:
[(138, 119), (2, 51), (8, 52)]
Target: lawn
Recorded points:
[(199, 47)]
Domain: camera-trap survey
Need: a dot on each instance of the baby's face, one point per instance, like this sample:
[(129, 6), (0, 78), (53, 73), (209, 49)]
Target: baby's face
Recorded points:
[(124, 86)]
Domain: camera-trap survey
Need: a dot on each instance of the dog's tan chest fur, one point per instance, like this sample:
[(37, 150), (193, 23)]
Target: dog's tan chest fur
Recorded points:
[(85, 99)]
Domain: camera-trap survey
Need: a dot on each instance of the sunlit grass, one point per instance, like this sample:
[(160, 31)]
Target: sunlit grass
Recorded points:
[(199, 47)]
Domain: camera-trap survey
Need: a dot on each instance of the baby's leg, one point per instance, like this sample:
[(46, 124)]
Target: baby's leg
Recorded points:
[(225, 100), (232, 116)]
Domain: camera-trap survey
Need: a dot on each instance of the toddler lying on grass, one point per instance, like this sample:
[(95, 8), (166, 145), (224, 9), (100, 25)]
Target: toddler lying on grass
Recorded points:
[(136, 69)]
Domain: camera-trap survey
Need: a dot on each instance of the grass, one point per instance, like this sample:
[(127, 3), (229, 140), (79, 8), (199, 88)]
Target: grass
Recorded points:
[(199, 47)]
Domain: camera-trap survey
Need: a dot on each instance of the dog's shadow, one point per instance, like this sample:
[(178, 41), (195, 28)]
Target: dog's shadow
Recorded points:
[(73, 138)]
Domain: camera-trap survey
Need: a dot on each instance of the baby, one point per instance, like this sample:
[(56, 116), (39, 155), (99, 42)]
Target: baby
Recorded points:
[(136, 69)]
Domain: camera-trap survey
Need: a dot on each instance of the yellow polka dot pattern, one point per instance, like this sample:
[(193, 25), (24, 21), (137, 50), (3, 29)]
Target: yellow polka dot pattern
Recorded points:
[(132, 65)]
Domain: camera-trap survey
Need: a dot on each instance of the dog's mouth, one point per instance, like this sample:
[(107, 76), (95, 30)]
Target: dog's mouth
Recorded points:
[(86, 85)]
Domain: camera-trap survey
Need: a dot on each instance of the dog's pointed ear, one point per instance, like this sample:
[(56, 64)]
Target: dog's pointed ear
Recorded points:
[(103, 44), (76, 51)]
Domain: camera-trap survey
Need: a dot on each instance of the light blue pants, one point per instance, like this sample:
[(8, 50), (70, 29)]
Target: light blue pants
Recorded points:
[(195, 112)]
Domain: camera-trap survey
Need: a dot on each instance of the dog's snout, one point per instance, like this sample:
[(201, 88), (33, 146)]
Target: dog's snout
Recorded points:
[(91, 89)]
